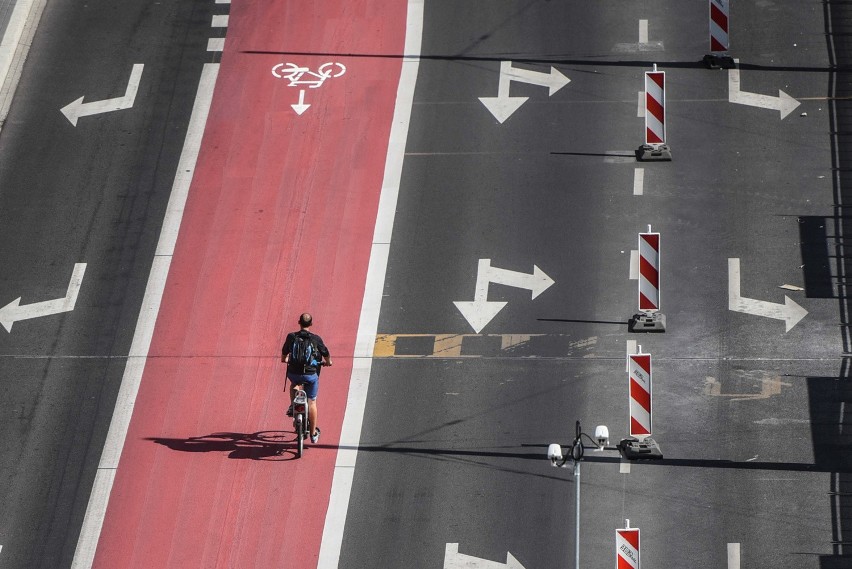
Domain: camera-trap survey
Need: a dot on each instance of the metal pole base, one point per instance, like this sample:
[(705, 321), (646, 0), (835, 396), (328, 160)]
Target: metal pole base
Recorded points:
[(653, 152), (647, 322), (719, 61), (634, 449)]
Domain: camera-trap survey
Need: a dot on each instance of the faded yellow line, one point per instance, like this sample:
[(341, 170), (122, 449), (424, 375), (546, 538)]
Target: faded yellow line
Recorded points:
[(448, 345), (453, 345), (385, 345)]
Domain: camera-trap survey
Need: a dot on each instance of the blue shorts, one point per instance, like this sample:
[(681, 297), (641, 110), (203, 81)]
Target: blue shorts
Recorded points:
[(310, 383)]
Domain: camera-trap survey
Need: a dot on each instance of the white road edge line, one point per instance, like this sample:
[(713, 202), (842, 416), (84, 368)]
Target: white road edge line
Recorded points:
[(90, 533), (638, 181), (14, 48), (344, 468)]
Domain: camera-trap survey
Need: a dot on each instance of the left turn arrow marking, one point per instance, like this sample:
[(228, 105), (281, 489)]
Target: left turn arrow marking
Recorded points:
[(78, 108), (13, 311)]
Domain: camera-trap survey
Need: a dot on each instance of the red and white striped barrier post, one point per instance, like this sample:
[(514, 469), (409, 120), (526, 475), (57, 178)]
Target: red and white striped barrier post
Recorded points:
[(655, 107), (639, 378), (649, 272), (720, 11), (655, 147), (627, 547), (650, 318)]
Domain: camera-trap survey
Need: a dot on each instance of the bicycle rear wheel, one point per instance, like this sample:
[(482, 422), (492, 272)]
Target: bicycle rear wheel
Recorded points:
[(300, 435)]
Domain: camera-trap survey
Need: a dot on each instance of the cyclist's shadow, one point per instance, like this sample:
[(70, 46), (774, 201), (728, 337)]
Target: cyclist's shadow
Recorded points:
[(263, 445)]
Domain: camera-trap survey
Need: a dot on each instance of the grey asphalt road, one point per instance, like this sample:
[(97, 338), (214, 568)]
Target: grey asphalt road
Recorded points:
[(94, 194), (750, 417)]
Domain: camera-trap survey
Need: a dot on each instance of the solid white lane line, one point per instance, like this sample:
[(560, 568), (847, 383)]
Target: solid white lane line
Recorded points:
[(344, 469), (638, 181), (640, 111), (14, 48), (643, 31), (12, 35), (219, 22), (733, 556), (95, 511)]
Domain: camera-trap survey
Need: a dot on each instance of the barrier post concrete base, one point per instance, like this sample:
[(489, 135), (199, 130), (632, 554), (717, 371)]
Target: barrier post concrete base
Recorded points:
[(647, 322), (654, 152)]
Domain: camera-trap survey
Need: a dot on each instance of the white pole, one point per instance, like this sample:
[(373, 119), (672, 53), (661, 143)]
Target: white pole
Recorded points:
[(577, 512)]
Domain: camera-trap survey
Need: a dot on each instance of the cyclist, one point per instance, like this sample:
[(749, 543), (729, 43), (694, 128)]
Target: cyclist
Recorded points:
[(305, 375)]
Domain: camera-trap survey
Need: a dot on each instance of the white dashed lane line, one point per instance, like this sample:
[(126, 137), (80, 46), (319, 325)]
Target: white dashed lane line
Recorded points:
[(638, 181)]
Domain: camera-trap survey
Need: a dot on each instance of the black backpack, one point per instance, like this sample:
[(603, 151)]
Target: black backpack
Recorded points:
[(304, 353)]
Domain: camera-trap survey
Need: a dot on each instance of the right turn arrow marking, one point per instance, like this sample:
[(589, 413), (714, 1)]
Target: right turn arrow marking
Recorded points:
[(481, 311), (783, 103), (790, 312), (455, 560), (502, 106)]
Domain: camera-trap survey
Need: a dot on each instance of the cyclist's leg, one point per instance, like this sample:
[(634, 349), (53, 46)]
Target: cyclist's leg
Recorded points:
[(295, 385), (294, 388), (312, 416), (311, 388)]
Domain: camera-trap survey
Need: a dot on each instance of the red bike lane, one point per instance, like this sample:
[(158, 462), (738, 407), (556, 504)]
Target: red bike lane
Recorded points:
[(279, 220)]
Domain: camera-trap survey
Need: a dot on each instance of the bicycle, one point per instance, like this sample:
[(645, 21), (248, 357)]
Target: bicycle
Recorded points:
[(300, 416)]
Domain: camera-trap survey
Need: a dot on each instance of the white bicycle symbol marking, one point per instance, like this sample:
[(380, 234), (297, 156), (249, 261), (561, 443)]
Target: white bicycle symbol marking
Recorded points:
[(298, 75)]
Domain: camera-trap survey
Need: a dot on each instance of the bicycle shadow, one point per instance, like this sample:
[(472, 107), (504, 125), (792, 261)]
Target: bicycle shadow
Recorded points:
[(262, 445)]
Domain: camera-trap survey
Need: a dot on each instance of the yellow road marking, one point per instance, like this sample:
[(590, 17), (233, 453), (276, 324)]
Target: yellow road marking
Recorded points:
[(463, 345)]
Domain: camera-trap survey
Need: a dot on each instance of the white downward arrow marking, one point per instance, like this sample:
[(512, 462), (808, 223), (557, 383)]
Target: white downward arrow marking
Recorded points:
[(78, 108), (13, 311), (300, 107), (502, 106), (783, 103), (455, 560), (481, 311), (789, 312)]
